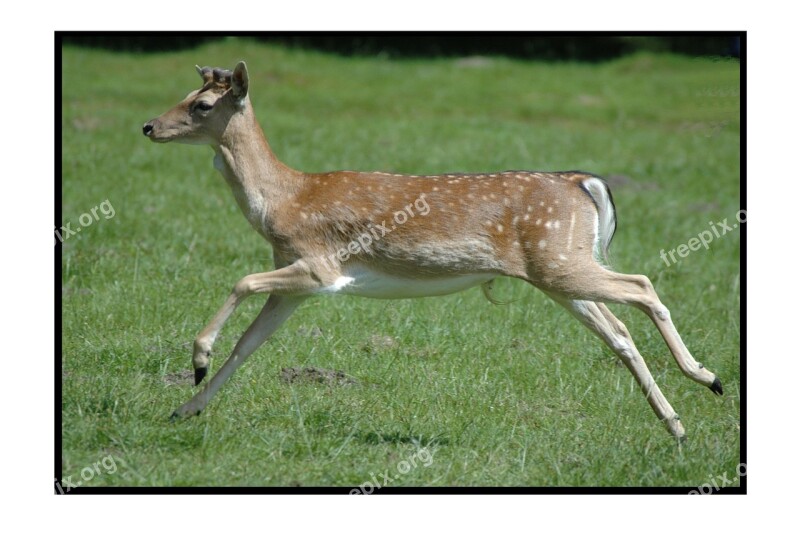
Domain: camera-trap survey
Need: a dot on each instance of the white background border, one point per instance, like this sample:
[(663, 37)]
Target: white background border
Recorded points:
[(27, 205)]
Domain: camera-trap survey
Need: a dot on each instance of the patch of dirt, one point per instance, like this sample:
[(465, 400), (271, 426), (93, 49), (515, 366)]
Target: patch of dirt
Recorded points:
[(474, 62), (590, 100), (72, 291), (316, 375), (184, 377), (314, 332), (702, 207), (621, 181), (87, 123), (380, 343)]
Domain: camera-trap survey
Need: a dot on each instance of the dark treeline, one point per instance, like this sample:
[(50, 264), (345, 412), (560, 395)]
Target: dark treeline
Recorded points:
[(543, 47)]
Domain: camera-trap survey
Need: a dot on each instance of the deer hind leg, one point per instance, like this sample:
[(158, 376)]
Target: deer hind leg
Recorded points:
[(597, 318), (598, 284)]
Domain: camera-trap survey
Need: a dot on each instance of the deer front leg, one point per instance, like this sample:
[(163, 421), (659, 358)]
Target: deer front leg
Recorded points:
[(287, 286), (294, 278), (274, 313)]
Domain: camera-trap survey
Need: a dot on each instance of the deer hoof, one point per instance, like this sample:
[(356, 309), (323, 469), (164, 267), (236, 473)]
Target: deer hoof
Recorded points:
[(182, 412), (199, 375), (716, 387)]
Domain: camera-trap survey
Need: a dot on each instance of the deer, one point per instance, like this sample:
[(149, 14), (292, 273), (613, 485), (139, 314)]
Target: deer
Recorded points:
[(386, 235)]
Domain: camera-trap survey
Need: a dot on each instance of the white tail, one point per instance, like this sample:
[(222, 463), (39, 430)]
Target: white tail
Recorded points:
[(606, 215), (399, 236)]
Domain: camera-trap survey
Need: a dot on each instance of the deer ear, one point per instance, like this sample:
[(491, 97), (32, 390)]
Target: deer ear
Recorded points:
[(240, 80)]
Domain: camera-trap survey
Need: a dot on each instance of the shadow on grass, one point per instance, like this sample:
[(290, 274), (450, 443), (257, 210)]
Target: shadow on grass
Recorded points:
[(397, 437)]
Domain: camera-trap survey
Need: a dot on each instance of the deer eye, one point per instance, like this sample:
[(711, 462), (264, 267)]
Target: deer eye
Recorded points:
[(203, 106)]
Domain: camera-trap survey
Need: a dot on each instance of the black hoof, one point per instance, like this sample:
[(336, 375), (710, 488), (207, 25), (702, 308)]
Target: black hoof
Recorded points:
[(199, 374), (174, 417), (716, 387)]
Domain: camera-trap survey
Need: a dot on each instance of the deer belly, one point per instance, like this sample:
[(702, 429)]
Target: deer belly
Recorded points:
[(374, 284)]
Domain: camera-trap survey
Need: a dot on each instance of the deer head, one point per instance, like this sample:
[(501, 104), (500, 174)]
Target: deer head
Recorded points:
[(204, 115)]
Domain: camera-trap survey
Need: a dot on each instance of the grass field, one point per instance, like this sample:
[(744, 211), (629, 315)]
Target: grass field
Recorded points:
[(513, 395)]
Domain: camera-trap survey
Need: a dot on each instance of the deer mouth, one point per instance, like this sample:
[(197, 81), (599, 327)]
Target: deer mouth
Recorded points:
[(152, 131)]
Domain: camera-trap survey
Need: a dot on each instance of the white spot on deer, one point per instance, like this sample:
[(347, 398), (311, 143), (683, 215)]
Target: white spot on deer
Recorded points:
[(548, 224), (516, 244), (492, 175), (515, 221), (541, 204), (500, 228), (562, 257), (302, 214), (436, 189), (556, 224), (526, 218), (542, 244), (571, 228), (538, 221), (549, 209), (530, 209), (552, 264), (484, 198)]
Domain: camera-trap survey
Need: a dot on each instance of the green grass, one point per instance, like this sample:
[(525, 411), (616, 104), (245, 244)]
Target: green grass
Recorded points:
[(501, 395)]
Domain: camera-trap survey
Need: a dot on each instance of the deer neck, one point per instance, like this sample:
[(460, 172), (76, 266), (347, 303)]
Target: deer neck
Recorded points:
[(259, 181)]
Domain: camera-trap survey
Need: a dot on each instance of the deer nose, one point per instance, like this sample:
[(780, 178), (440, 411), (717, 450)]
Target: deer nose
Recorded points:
[(147, 129)]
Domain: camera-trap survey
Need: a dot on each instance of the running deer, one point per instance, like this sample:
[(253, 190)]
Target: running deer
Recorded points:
[(385, 235)]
